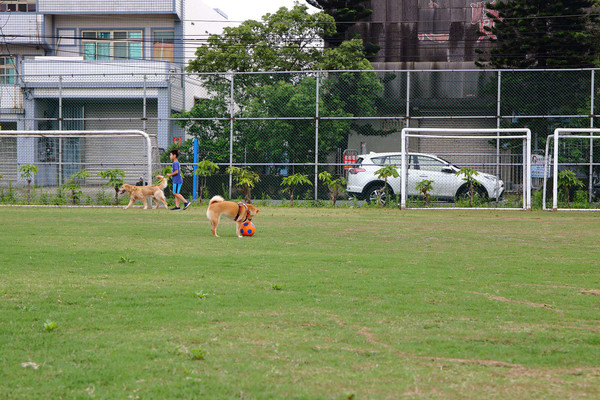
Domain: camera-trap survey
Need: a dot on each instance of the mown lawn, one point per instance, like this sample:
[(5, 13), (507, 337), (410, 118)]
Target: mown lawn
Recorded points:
[(320, 304)]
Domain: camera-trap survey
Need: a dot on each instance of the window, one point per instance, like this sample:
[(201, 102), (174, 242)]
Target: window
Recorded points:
[(378, 160), (112, 45), (163, 44), (430, 164), (394, 160), (18, 6), (7, 70)]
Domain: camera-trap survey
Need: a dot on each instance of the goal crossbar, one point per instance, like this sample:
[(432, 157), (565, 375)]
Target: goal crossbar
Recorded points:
[(90, 133), (525, 134)]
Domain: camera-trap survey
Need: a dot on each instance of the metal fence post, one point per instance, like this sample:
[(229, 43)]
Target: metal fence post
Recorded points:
[(591, 169), (195, 177), (317, 139), (231, 111), (60, 127), (498, 110), (404, 147), (144, 110), (407, 123)]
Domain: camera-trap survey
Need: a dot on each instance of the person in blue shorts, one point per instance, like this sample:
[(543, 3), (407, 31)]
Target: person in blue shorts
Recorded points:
[(177, 181)]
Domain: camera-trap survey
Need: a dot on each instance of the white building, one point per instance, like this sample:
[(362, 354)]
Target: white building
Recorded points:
[(90, 65)]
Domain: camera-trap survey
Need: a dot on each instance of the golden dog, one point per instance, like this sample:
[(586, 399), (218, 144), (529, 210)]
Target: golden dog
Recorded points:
[(141, 192), (239, 212)]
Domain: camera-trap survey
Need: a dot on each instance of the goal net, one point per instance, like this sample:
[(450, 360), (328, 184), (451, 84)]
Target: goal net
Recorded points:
[(572, 170), (59, 155), (465, 168)]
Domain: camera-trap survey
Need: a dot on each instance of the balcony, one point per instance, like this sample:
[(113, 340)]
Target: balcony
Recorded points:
[(63, 7), (24, 28), (75, 72)]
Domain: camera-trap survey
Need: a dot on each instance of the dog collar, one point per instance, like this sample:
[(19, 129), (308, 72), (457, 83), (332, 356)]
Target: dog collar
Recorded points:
[(240, 205)]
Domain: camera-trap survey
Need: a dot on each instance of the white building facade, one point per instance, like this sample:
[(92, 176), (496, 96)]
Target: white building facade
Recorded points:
[(96, 65)]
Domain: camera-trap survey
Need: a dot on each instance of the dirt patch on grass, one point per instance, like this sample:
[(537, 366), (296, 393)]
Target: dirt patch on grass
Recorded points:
[(370, 338), (595, 292), (526, 303), (554, 375)]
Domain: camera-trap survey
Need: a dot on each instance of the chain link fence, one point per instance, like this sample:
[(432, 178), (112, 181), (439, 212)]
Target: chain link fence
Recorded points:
[(281, 124)]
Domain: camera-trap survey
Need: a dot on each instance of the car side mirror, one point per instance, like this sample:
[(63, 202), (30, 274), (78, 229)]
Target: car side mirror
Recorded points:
[(447, 170)]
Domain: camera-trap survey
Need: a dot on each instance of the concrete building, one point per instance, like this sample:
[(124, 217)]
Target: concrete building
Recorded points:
[(91, 64), (425, 34)]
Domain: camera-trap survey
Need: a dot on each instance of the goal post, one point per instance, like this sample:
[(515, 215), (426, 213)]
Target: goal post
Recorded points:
[(498, 151), (572, 149), (59, 154)]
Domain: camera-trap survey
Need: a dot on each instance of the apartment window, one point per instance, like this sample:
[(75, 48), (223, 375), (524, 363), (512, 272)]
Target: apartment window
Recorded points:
[(18, 6), (112, 45), (163, 45), (7, 70)]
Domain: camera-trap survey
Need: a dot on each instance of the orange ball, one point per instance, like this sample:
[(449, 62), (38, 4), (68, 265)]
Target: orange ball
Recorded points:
[(247, 229)]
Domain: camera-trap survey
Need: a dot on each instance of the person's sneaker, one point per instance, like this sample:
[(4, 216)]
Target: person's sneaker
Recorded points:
[(189, 203), (175, 209)]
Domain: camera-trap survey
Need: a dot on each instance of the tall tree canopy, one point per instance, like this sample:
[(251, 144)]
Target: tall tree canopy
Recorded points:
[(541, 34), (286, 42)]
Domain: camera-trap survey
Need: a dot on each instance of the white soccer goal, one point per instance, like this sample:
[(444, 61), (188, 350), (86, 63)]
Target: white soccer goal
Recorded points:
[(500, 157), (572, 149), (60, 154)]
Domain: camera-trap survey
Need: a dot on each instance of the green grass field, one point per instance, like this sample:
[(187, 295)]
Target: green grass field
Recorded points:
[(320, 304)]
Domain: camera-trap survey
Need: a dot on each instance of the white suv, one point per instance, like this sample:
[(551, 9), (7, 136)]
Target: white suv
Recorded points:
[(363, 183)]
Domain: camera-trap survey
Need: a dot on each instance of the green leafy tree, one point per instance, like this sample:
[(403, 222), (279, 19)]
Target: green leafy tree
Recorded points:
[(280, 42), (245, 179), (541, 34), (186, 152), (469, 175), (115, 180), (205, 168), (72, 185), (28, 171), (424, 187), (567, 180), (292, 182), (335, 186), (384, 173)]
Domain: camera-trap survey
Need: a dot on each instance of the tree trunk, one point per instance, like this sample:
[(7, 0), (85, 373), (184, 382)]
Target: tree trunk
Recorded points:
[(471, 189)]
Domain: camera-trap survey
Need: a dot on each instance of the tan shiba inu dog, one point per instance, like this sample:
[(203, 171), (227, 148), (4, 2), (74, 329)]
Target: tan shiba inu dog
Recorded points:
[(142, 192), (239, 212)]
